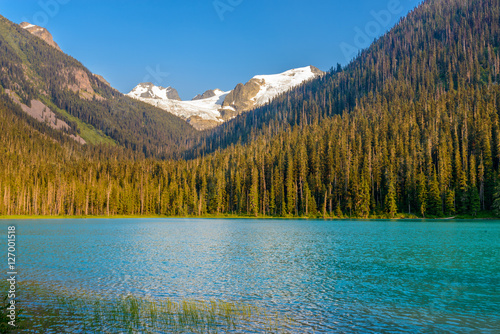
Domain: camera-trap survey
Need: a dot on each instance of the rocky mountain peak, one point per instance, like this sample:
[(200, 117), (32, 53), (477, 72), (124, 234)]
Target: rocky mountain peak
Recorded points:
[(148, 90), (208, 94), (41, 33), (215, 106), (316, 70), (263, 88)]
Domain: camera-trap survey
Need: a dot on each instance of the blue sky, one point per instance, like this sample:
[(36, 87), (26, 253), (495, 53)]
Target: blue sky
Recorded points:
[(195, 45)]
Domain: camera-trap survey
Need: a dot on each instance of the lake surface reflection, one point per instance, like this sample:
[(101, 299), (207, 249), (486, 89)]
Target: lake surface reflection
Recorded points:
[(330, 276)]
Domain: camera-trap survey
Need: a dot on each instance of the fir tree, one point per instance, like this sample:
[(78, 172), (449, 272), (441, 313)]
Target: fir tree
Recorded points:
[(496, 199), (390, 199), (422, 194), (434, 202), (254, 192), (450, 202)]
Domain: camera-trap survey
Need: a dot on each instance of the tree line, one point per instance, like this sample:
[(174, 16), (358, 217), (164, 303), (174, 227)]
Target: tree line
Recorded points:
[(434, 157), (410, 126)]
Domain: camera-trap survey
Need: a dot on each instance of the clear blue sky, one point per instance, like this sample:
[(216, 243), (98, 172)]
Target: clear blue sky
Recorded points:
[(206, 44)]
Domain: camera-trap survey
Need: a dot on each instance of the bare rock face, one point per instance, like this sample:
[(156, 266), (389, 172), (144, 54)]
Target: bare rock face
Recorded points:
[(263, 88), (241, 98), (43, 114), (206, 95), (41, 33), (317, 71), (215, 107), (201, 124), (78, 82), (101, 78)]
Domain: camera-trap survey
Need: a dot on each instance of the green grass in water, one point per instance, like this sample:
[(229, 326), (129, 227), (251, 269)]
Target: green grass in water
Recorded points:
[(77, 312)]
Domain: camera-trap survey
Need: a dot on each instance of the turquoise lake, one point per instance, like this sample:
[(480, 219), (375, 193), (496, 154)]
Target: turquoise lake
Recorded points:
[(329, 276)]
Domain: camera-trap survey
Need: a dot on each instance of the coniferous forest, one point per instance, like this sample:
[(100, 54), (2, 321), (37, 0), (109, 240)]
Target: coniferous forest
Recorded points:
[(410, 126)]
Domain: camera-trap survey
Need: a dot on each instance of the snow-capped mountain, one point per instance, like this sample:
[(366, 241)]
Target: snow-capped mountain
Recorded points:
[(206, 95), (276, 84), (216, 106), (263, 88), (201, 113), (147, 90)]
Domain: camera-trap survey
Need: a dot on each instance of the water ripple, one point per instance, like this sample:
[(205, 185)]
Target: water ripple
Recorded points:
[(339, 276)]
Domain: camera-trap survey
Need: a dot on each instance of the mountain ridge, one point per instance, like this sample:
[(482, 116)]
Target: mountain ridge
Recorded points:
[(36, 71), (207, 94), (215, 107), (40, 32), (410, 128), (149, 90)]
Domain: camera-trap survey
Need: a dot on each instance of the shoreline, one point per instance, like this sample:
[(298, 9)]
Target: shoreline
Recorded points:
[(374, 218), (134, 311)]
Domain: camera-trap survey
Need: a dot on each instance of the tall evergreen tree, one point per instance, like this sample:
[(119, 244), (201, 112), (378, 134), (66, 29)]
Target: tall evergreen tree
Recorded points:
[(434, 202), (390, 199)]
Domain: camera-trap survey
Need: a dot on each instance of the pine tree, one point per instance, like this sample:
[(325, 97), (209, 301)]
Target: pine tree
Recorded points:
[(272, 197), (254, 192), (435, 206), (474, 200), (338, 211), (310, 204), (450, 202), (220, 192), (475, 205), (390, 199), (363, 202), (290, 187), (496, 199), (422, 194)]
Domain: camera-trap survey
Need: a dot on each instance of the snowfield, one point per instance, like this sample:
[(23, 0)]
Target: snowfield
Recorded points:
[(209, 108), (277, 84)]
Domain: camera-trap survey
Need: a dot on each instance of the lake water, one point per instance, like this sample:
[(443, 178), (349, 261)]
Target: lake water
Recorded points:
[(329, 276)]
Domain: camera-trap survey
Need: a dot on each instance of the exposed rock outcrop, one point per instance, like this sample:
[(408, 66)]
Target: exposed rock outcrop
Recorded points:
[(78, 81), (201, 124), (263, 88), (44, 114), (214, 107), (242, 96), (101, 78), (209, 93), (41, 33)]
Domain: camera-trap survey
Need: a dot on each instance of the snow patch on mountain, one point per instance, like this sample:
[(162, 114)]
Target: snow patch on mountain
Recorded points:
[(150, 91), (277, 84), (216, 106), (202, 113)]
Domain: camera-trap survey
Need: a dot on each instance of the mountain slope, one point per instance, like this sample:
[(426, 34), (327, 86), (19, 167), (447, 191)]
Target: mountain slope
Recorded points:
[(40, 32), (202, 113), (215, 106), (448, 51), (37, 72), (261, 89), (207, 94), (411, 128)]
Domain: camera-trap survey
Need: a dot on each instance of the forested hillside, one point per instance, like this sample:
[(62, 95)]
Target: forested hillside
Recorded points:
[(36, 71), (438, 47), (410, 126)]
